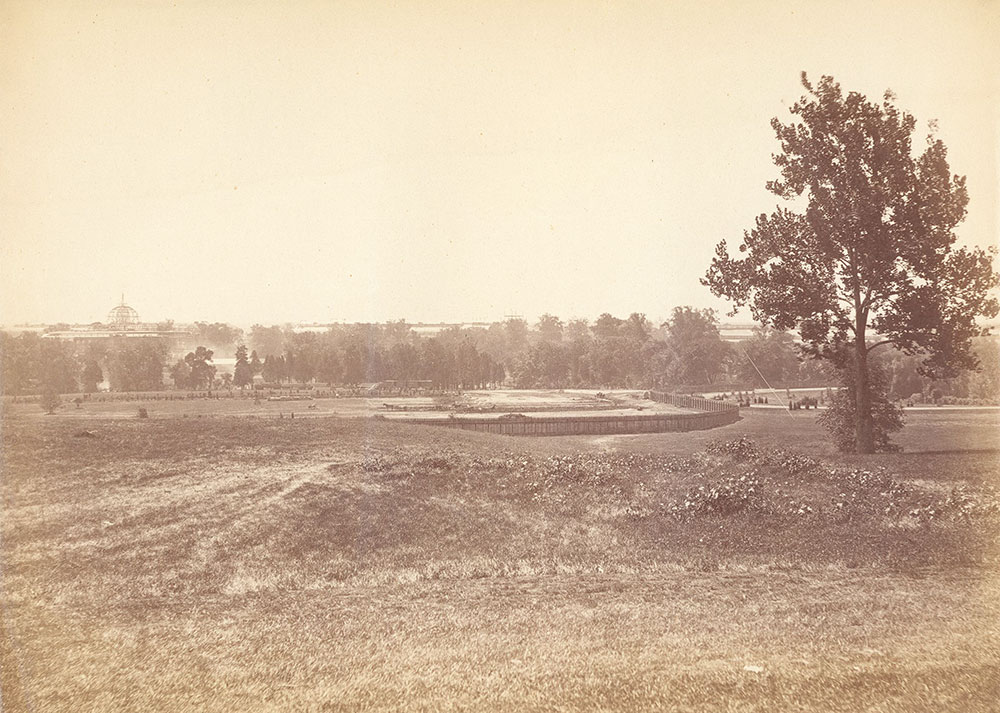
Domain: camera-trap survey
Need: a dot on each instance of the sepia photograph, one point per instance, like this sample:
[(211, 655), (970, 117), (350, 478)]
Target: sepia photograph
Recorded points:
[(446, 355)]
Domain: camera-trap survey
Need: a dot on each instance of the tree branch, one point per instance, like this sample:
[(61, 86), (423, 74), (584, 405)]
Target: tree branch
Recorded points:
[(878, 344)]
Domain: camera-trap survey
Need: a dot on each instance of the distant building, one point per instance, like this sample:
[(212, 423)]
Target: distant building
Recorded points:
[(123, 321), (432, 328), (421, 328), (736, 332)]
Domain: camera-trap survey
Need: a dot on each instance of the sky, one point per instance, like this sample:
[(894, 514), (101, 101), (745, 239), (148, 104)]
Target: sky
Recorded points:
[(272, 162)]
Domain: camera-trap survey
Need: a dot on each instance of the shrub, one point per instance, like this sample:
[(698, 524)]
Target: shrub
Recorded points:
[(839, 419), (376, 463), (729, 496), (742, 447)]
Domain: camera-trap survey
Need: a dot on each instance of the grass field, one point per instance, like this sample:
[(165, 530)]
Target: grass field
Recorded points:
[(230, 563), (170, 404)]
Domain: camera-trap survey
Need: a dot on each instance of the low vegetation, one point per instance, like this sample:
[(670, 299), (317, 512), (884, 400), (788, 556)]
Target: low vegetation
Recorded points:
[(328, 564)]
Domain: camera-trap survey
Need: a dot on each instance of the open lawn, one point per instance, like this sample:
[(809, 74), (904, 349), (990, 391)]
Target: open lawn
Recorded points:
[(231, 563), (306, 403)]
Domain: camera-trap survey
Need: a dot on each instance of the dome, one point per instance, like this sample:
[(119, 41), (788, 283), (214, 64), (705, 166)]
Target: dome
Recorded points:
[(123, 317)]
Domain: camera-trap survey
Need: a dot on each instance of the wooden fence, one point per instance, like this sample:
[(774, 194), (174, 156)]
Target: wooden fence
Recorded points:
[(710, 414), (695, 402)]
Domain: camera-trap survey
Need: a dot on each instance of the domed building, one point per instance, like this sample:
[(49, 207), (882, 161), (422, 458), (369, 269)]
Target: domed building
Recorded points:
[(123, 317), (123, 321)]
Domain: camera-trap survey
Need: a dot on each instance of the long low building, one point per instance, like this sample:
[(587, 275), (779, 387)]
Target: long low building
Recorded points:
[(74, 334), (123, 321)]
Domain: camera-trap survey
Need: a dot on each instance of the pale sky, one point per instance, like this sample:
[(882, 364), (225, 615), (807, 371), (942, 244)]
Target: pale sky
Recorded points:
[(324, 161)]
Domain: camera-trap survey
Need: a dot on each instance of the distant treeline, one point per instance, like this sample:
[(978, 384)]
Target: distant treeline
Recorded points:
[(610, 352)]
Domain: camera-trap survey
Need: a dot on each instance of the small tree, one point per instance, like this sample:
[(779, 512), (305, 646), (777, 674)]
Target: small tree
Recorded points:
[(50, 400), (872, 253)]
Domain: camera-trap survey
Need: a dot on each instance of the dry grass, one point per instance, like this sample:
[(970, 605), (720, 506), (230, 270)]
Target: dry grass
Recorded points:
[(169, 404), (244, 564)]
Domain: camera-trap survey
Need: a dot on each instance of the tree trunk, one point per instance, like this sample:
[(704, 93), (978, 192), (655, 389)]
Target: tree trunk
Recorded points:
[(864, 428)]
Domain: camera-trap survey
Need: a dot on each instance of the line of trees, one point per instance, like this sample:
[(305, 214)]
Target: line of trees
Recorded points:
[(367, 353), (611, 352), (685, 351), (32, 365)]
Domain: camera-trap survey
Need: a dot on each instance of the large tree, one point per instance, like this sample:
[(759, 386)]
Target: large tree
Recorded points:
[(256, 365), (267, 341), (329, 368), (544, 365), (136, 364), (57, 367), (273, 369), (91, 376), (550, 328), (218, 335), (867, 254), (767, 358), (180, 372), (696, 353), (202, 370), (242, 373)]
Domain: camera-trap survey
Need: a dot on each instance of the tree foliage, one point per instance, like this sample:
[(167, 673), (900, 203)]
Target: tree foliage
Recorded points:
[(136, 364), (180, 373), (550, 328), (242, 372), (218, 334), (767, 357), (610, 353), (50, 400), (696, 352), (202, 370), (872, 254), (91, 376)]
